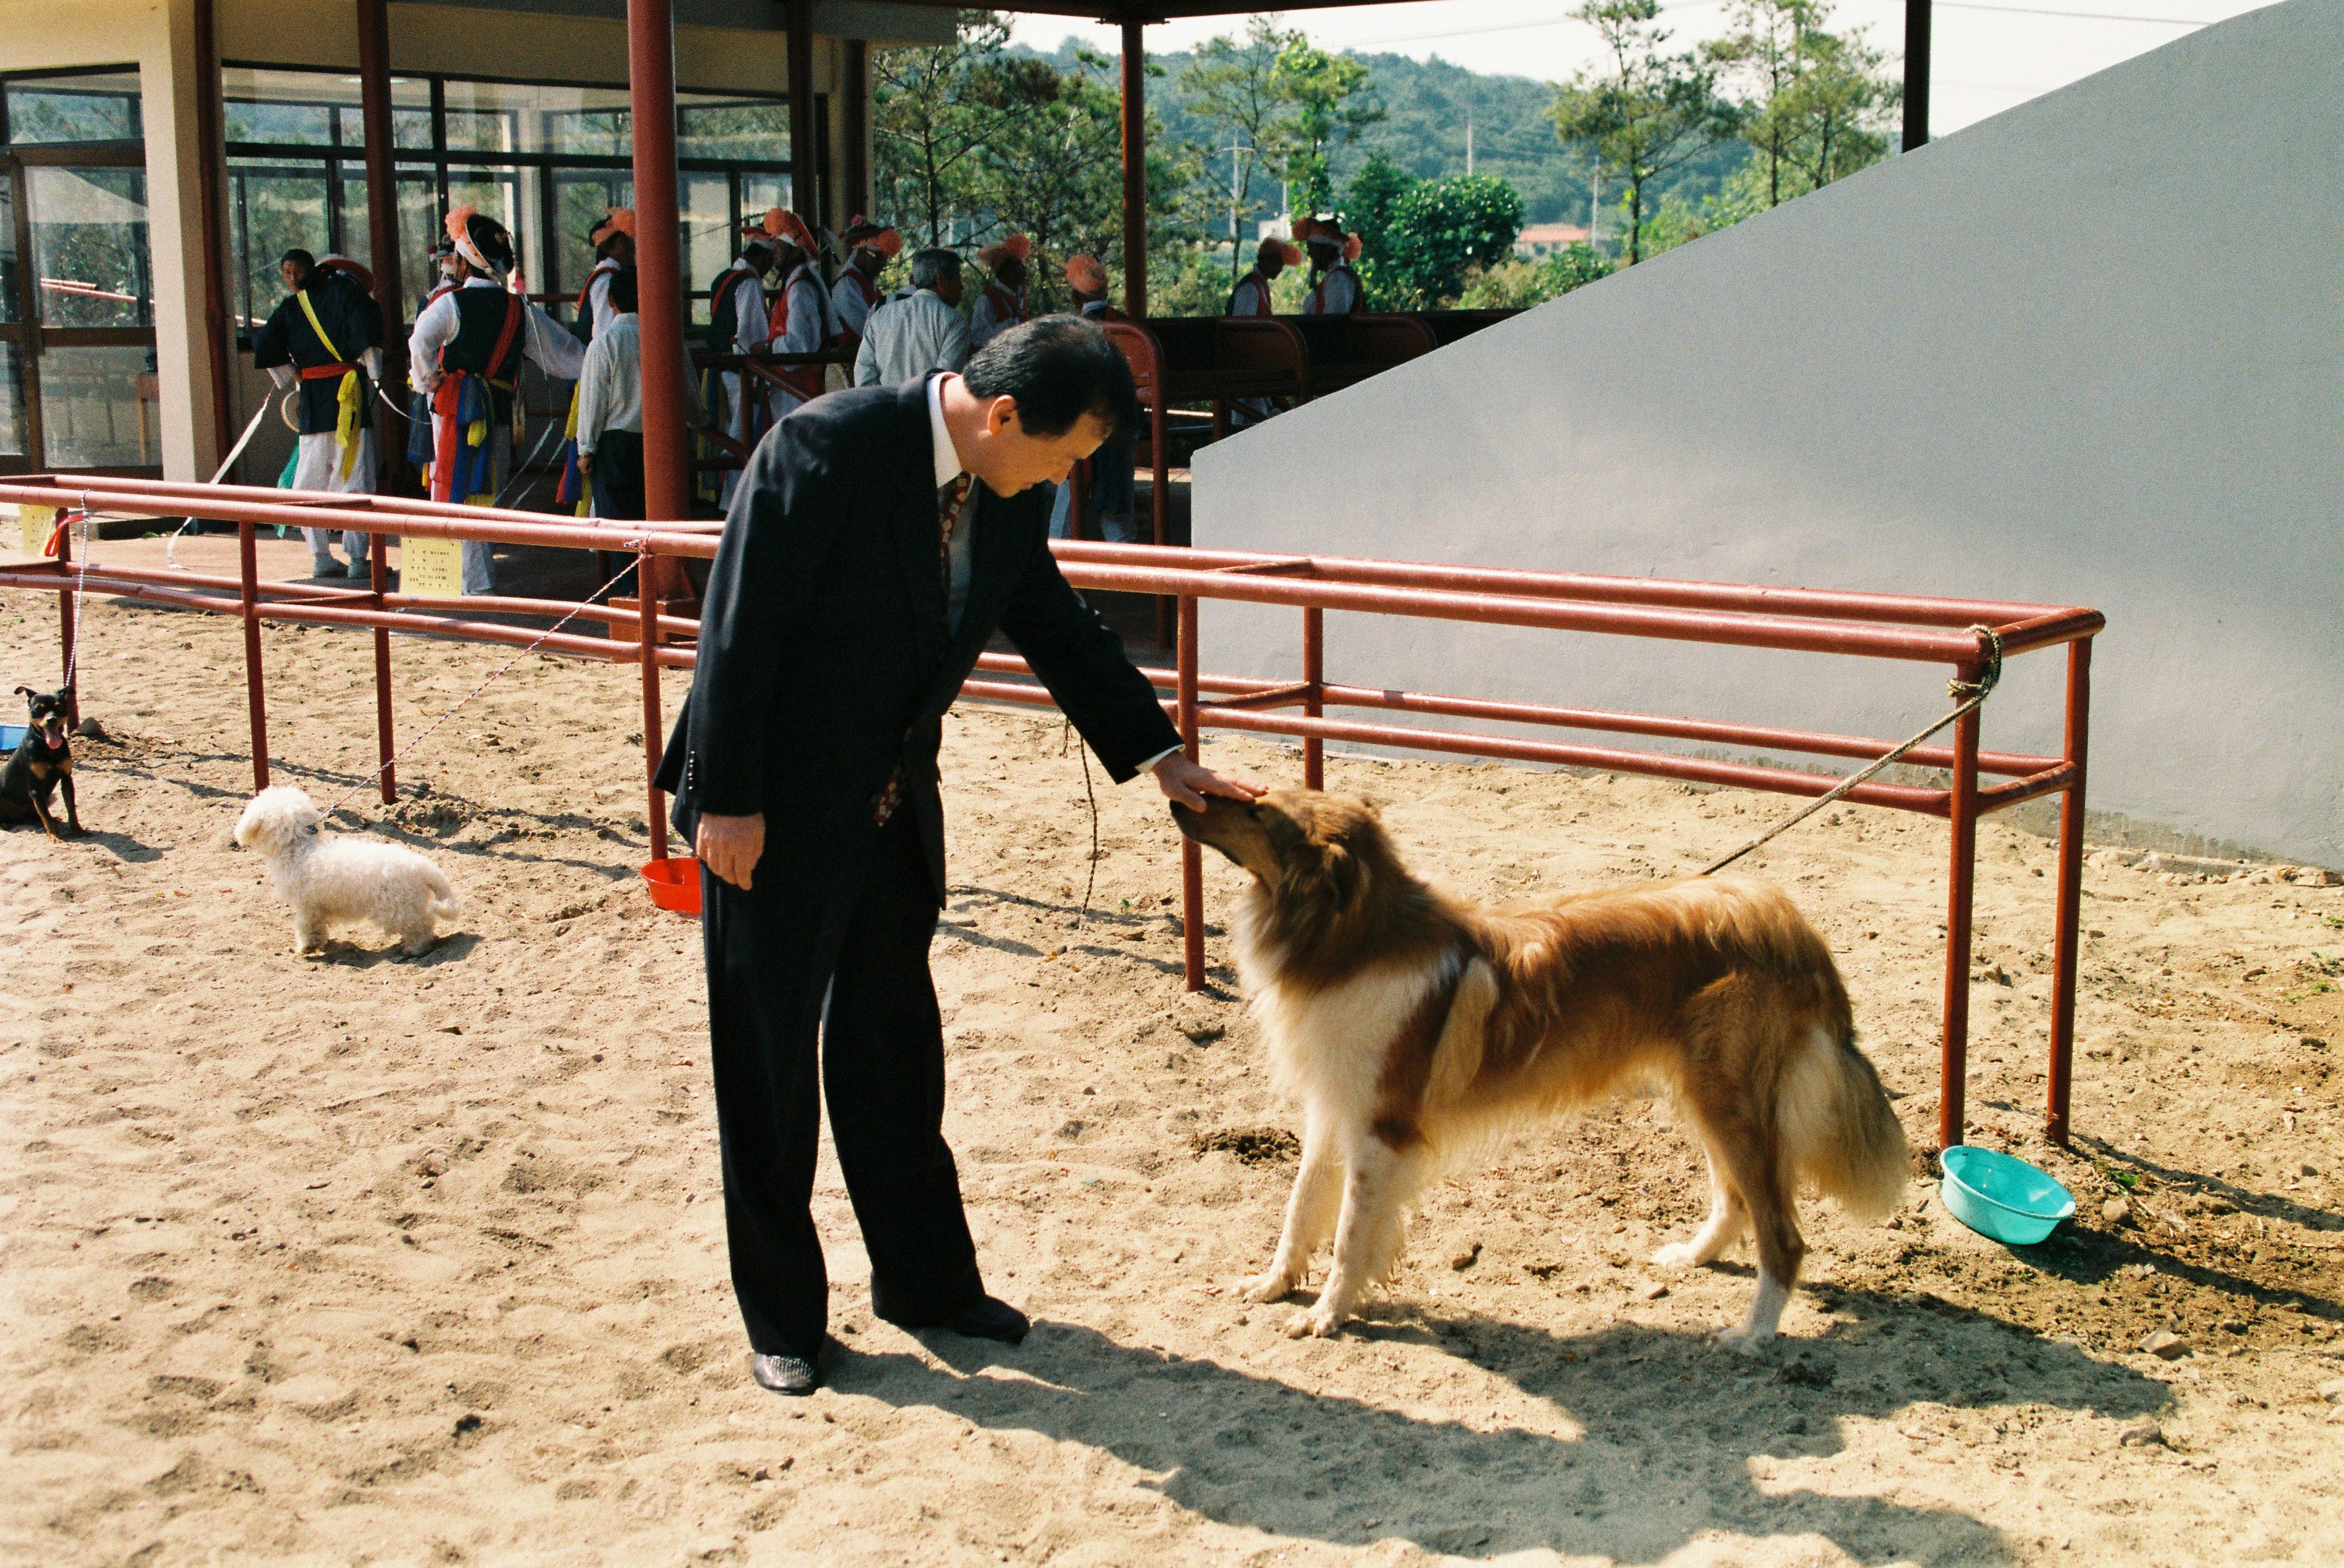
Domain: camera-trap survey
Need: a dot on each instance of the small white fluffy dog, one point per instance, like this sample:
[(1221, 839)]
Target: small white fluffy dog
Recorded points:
[(329, 879)]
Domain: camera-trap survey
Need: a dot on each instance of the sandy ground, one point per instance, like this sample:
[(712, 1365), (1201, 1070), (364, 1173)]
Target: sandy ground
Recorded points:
[(360, 1260)]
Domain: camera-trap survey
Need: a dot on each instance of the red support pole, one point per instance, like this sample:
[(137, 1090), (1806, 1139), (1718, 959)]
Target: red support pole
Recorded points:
[(66, 674), (1135, 170), (1962, 880), (256, 705), (211, 155), (648, 634), (2071, 893), (805, 180), (659, 268), (1314, 702), (1192, 862), (382, 259), (382, 242)]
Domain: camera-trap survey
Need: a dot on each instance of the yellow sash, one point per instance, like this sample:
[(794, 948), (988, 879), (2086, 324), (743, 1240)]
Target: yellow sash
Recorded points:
[(348, 400)]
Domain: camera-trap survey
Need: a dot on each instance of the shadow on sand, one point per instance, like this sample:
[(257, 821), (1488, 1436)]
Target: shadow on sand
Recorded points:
[(1654, 1466)]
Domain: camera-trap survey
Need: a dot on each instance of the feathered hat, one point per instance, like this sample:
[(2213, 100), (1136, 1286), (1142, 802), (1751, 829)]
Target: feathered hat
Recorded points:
[(618, 221), (1086, 276), (1286, 250), (779, 223), (1016, 245), (865, 235), (1327, 231), (481, 242)]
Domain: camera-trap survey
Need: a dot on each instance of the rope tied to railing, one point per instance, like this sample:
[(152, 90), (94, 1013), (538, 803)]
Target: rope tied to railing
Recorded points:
[(494, 675), (1968, 695)]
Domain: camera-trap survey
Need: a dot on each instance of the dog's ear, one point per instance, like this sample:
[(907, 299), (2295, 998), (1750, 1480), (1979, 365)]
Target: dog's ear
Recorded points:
[(26, 691), (66, 692)]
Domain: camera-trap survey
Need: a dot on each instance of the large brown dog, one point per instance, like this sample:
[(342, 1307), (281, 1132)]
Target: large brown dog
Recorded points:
[(1415, 1030)]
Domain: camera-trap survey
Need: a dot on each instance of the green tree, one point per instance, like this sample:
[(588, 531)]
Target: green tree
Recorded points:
[(1231, 86), (1375, 195), (1811, 104), (1331, 103), (930, 128), (1443, 229), (1647, 112), (1516, 284)]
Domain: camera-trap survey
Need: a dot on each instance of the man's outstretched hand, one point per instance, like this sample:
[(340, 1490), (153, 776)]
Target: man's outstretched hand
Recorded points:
[(1190, 783), (731, 846)]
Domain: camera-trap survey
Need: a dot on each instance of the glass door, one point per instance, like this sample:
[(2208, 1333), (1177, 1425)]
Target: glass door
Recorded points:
[(81, 389)]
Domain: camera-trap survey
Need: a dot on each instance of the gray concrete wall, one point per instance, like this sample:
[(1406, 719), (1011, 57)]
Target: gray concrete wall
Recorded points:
[(2089, 351)]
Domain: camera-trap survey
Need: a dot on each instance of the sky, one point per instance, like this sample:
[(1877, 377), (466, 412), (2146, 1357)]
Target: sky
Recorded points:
[(1988, 57)]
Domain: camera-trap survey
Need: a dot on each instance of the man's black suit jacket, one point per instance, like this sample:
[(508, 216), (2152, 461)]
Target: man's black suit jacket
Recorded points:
[(824, 660)]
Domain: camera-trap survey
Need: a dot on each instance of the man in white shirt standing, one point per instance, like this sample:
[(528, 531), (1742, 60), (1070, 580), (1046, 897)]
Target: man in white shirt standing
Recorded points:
[(905, 339), (466, 352), (611, 409), (801, 322), (738, 323)]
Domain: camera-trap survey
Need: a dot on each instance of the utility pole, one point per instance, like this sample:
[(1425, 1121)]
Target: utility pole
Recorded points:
[(1469, 144), (1594, 201), (1238, 184)]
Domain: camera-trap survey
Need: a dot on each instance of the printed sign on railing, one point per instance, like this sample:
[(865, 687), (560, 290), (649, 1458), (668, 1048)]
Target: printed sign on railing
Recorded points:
[(431, 568)]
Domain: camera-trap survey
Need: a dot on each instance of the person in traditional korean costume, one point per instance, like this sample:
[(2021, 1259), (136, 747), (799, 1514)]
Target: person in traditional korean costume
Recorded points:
[(1252, 296), (1335, 287), (467, 352), (325, 338), (856, 292), (1003, 304)]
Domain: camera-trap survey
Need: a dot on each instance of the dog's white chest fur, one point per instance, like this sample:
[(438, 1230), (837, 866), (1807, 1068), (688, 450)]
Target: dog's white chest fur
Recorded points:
[(1326, 1045)]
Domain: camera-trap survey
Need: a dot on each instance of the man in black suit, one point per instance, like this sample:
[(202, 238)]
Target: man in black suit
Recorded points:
[(877, 538)]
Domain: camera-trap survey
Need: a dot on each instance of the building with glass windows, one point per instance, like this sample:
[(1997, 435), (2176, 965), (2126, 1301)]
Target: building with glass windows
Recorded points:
[(516, 106)]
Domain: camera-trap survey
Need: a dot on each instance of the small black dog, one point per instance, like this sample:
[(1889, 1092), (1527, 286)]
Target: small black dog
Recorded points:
[(41, 761)]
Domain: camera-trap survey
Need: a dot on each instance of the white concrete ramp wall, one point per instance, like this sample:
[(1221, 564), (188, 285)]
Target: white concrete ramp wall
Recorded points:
[(2090, 351)]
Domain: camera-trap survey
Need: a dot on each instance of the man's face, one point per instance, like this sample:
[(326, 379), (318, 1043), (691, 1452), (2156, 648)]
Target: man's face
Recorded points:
[(1012, 272), (295, 275), (868, 262), (622, 251), (1273, 262), (1010, 460), (948, 289)]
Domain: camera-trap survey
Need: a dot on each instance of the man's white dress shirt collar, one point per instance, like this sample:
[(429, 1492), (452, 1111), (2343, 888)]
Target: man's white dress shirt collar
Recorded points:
[(947, 458)]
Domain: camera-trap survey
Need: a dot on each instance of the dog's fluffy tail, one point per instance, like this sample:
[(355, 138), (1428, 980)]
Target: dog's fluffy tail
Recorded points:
[(1838, 1127), (443, 892)]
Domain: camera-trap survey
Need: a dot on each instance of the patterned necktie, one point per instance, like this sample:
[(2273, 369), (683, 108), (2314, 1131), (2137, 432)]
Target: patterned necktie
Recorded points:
[(954, 500)]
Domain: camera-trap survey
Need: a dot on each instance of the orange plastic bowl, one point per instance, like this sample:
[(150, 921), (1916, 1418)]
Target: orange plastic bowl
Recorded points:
[(675, 884)]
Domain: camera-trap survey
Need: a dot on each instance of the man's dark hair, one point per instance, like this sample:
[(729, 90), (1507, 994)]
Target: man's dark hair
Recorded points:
[(623, 297), (1058, 368), (307, 261)]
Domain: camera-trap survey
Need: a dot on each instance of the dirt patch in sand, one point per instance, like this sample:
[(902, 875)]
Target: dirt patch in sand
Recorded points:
[(354, 1260)]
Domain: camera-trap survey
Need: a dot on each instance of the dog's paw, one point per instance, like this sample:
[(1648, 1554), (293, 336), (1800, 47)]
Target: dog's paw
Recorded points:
[(1321, 1322), (1268, 1287), (1745, 1339), (1676, 1255)]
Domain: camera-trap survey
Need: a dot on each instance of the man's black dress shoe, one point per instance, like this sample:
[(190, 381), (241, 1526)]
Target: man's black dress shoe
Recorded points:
[(990, 1319), (785, 1374)]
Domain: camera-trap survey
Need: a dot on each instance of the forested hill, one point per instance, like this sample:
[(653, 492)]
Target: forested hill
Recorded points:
[(1426, 103)]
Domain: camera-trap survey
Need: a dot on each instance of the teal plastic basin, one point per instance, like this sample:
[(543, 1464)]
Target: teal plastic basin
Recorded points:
[(1997, 1195)]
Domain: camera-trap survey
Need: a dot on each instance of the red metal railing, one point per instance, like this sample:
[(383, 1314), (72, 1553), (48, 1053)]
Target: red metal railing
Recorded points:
[(1869, 625)]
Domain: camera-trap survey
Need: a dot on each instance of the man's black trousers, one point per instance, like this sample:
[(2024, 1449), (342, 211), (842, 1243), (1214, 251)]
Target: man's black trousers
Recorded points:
[(882, 1064), (619, 493)]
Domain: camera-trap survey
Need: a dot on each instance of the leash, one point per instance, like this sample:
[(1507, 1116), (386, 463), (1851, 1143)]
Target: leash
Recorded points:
[(171, 545), (494, 676), (1090, 883), (1972, 695)]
